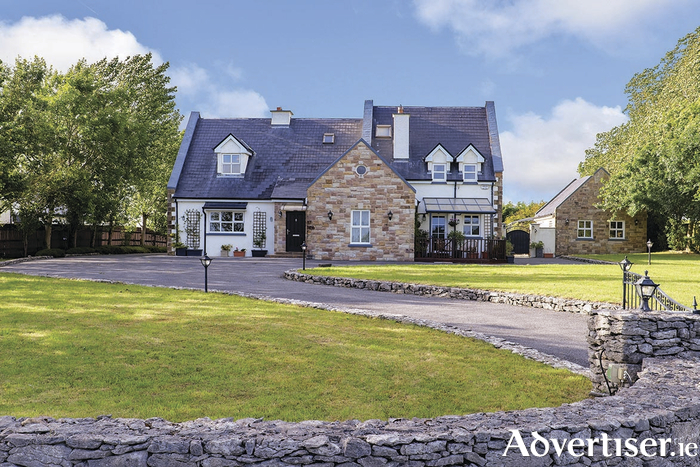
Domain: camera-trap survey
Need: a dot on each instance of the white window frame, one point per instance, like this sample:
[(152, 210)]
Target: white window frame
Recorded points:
[(471, 225), (617, 230), (226, 222), (469, 175), (443, 172), (360, 227), (230, 167), (434, 225), (585, 230)]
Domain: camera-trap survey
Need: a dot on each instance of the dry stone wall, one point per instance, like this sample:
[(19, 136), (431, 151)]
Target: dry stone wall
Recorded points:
[(627, 338), (664, 404), (458, 293)]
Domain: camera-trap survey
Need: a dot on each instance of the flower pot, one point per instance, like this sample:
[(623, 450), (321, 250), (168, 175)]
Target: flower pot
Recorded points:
[(238, 254), (259, 253), (225, 253), (180, 251), (510, 259), (539, 252), (197, 252)]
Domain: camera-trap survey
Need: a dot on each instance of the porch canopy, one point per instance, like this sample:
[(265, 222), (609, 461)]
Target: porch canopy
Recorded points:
[(458, 206), (217, 205)]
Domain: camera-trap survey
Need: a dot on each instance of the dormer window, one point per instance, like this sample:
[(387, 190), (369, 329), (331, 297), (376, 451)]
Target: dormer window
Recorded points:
[(439, 172), (328, 138), (470, 162), (383, 131), (230, 164), (469, 172), (232, 156), (438, 162)]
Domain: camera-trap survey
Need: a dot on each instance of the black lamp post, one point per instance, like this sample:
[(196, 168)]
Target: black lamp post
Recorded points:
[(206, 261), (649, 245), (645, 289), (303, 251), (625, 265)]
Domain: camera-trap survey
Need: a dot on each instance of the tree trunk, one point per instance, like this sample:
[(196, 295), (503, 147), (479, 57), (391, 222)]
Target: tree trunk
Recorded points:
[(144, 216), (47, 232)]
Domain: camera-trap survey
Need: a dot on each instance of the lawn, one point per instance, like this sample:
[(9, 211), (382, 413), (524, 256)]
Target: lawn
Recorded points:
[(678, 274), (82, 349)]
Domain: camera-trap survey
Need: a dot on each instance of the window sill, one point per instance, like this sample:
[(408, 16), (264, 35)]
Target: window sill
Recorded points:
[(227, 234), (439, 182), (585, 239), (230, 175), (360, 245), (617, 239)]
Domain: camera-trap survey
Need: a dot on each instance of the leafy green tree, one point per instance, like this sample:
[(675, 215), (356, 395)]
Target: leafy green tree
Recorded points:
[(520, 210), (654, 158)]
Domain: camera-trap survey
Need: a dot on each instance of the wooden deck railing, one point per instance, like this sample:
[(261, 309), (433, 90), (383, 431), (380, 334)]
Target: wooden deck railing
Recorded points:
[(469, 250)]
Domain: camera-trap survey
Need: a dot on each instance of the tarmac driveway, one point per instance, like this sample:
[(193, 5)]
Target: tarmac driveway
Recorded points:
[(560, 334)]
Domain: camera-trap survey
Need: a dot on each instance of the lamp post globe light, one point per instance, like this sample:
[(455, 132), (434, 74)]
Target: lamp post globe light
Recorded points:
[(303, 251), (625, 265), (206, 261), (645, 288), (649, 245)]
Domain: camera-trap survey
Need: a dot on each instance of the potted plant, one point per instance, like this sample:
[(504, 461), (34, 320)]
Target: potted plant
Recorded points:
[(238, 253), (225, 249), (539, 249), (259, 244), (510, 256), (180, 249)]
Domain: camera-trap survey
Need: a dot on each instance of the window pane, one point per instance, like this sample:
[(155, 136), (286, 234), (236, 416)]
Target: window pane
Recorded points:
[(226, 216), (355, 237), (356, 218), (226, 158), (215, 216), (365, 218), (226, 227), (365, 235), (238, 216), (214, 227)]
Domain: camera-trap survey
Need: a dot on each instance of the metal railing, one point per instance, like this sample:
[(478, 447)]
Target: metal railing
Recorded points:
[(468, 250), (660, 301)]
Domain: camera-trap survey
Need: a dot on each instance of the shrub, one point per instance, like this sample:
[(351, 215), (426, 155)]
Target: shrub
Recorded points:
[(80, 251), (55, 252), (121, 250)]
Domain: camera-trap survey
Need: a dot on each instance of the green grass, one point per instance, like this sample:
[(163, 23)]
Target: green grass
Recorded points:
[(78, 349), (678, 274)]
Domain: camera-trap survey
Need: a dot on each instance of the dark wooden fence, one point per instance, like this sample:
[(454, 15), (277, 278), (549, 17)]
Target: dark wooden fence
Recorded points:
[(12, 240), (469, 250)]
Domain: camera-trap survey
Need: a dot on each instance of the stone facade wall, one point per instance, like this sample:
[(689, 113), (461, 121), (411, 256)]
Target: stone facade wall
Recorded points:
[(340, 190), (627, 338), (458, 293), (664, 404), (581, 206)]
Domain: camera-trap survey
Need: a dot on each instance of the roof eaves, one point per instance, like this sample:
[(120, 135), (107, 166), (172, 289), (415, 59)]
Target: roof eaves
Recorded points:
[(492, 125), (182, 152)]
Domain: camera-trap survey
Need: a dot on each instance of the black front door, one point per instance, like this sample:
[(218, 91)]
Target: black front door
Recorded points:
[(520, 240), (296, 230)]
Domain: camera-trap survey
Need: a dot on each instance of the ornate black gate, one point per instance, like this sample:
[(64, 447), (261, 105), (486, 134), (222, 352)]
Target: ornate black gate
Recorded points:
[(520, 240)]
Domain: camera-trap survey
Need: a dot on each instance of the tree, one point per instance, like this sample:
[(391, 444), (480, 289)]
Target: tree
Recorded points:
[(654, 158), (97, 141), (520, 210)]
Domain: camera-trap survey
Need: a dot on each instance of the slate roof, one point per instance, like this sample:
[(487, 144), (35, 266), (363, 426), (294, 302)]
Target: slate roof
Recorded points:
[(288, 158), (453, 127), (550, 208)]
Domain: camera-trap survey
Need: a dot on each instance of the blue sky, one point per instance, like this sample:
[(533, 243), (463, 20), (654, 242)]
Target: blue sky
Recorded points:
[(556, 69)]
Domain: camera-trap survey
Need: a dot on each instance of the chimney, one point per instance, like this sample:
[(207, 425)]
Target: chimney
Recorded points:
[(281, 117), (401, 127)]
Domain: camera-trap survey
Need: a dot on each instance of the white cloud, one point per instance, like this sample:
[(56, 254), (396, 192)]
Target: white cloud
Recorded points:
[(62, 42), (500, 28), (541, 155), (214, 100)]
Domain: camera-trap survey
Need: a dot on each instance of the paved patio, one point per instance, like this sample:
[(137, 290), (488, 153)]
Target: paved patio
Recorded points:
[(560, 334)]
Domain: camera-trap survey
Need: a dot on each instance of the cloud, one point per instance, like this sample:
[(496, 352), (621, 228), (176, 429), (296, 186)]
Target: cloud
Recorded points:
[(62, 42), (541, 155), (213, 99), (498, 29)]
